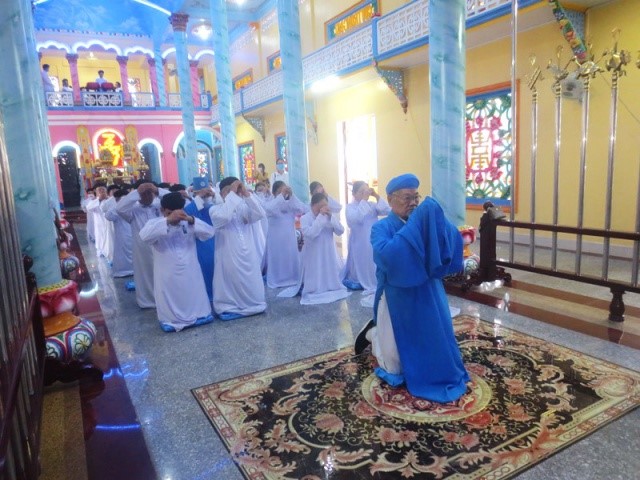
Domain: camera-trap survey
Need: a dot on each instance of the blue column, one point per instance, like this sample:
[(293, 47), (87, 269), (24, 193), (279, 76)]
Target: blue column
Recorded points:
[(27, 140), (447, 43), (188, 166), (293, 94), (225, 88), (162, 89)]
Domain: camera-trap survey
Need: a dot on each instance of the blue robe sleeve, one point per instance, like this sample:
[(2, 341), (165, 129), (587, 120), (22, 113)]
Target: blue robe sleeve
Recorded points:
[(437, 240)]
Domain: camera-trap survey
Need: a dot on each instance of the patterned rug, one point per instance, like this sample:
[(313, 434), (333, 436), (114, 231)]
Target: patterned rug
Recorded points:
[(329, 417)]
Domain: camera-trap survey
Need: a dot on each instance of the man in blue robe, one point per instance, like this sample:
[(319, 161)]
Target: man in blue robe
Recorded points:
[(412, 335), (203, 199)]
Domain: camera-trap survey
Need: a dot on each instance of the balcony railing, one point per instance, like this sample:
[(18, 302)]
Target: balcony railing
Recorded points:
[(174, 100), (400, 31), (142, 100), (59, 99), (102, 99)]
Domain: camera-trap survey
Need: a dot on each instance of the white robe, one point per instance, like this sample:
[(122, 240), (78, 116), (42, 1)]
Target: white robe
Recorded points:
[(283, 257), (110, 234), (320, 262), (259, 234), (130, 208), (122, 265), (101, 228), (90, 227), (180, 293), (237, 280), (360, 267)]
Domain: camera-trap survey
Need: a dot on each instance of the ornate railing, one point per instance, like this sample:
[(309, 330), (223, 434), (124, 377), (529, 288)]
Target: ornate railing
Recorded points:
[(397, 32), (102, 99), (142, 100), (263, 91), (204, 100), (174, 100), (59, 99), (403, 27)]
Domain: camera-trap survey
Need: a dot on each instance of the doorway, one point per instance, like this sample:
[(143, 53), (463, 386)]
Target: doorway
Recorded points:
[(151, 157), (69, 177), (357, 160), (357, 154)]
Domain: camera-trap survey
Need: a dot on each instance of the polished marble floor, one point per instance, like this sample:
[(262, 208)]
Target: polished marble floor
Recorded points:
[(160, 369)]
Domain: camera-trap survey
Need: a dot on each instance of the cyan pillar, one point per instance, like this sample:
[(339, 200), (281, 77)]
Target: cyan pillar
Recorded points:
[(447, 96), (188, 166), (222, 61), (161, 82), (293, 94), (28, 145)]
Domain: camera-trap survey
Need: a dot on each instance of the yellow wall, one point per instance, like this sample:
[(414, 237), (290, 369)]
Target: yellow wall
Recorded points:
[(265, 151)]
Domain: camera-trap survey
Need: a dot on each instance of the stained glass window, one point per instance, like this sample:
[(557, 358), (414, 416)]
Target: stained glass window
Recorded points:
[(247, 163), (217, 155), (489, 143), (281, 149), (203, 164)]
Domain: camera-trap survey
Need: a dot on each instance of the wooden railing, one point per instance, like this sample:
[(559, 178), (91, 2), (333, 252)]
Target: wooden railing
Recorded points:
[(491, 268)]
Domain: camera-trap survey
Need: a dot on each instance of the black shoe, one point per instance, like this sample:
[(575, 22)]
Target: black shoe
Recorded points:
[(361, 339)]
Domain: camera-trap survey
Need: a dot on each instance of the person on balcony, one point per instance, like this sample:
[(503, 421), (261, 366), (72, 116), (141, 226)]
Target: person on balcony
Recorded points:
[(117, 87), (46, 79), (65, 86), (101, 80)]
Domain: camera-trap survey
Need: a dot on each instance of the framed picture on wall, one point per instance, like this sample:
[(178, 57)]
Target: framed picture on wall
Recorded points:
[(246, 154), (281, 149)]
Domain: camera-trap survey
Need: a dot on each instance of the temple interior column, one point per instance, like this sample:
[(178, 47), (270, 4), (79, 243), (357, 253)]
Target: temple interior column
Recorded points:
[(293, 93), (222, 61), (124, 78), (195, 83), (187, 167), (447, 44), (75, 79), (27, 141), (153, 78), (160, 80)]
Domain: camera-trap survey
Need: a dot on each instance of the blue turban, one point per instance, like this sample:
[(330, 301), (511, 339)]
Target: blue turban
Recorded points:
[(408, 180)]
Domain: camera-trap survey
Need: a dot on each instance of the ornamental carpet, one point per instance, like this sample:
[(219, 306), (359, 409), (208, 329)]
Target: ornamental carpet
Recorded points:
[(328, 416)]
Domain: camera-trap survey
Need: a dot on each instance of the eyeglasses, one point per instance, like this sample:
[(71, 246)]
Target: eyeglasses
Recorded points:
[(409, 198)]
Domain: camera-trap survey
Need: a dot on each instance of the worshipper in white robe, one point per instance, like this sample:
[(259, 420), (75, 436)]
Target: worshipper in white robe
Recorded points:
[(180, 293), (83, 204), (317, 187), (360, 270), (110, 234), (122, 265), (138, 207), (283, 257), (238, 289), (99, 222), (320, 261), (182, 189)]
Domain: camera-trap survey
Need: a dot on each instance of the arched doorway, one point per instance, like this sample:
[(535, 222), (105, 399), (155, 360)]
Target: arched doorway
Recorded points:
[(69, 176), (151, 156), (206, 166)]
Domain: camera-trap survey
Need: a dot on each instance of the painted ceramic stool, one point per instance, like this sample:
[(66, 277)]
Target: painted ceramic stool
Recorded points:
[(58, 298), (68, 337), (471, 260)]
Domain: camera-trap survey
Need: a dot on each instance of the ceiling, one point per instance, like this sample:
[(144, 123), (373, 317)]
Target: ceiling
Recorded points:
[(147, 18)]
